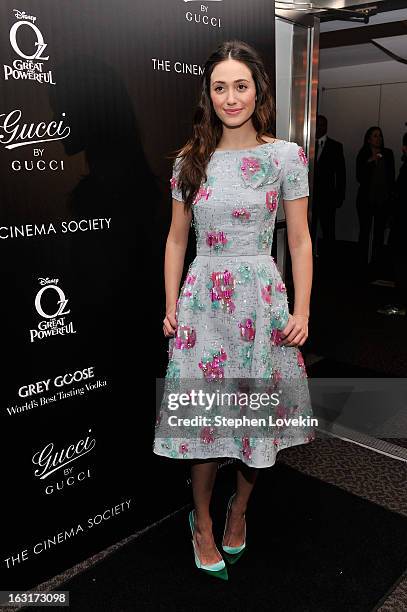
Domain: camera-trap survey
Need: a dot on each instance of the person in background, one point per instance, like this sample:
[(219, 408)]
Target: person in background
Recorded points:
[(375, 174), (329, 183), (397, 239)]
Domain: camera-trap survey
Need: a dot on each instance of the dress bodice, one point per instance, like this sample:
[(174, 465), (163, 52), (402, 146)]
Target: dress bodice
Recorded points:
[(235, 209)]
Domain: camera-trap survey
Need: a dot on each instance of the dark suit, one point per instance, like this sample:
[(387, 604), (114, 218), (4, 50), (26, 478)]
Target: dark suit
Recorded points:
[(329, 189), (369, 204)]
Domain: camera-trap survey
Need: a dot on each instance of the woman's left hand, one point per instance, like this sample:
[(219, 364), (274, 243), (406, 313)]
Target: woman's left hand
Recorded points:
[(295, 332)]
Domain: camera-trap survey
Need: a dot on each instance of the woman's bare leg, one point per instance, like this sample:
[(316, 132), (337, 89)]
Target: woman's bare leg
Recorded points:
[(203, 474), (245, 480)]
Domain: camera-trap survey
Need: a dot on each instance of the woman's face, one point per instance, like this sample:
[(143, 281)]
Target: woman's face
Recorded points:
[(375, 139), (233, 88)]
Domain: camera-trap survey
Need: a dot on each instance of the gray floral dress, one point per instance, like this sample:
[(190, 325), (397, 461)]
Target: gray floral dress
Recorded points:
[(231, 309)]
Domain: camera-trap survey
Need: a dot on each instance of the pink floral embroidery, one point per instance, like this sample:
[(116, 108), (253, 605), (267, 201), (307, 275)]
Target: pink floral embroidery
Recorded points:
[(266, 294), (190, 280), (257, 171), (173, 182), (302, 156), (216, 240), (207, 435), (300, 361), (203, 193), (276, 337), (250, 165), (281, 412), (241, 213), (214, 369), (183, 448), (185, 338), (281, 287), (271, 200), (277, 376), (247, 330), (277, 441), (222, 290), (246, 448)]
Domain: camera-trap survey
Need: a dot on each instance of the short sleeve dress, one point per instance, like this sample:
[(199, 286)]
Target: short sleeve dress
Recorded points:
[(231, 309)]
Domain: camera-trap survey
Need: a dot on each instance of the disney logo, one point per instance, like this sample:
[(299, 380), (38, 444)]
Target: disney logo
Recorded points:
[(23, 15), (48, 281)]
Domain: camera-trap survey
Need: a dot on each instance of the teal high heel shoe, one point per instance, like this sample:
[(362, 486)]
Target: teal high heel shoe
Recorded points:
[(233, 553), (218, 569)]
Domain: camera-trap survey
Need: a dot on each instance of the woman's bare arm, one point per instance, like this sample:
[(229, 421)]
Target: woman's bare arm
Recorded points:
[(300, 245), (176, 245)]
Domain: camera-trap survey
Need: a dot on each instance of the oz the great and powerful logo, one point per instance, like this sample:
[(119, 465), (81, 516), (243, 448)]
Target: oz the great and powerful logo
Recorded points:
[(29, 64), (52, 306)]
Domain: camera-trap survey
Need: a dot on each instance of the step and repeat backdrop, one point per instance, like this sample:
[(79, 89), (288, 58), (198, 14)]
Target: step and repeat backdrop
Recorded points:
[(94, 96)]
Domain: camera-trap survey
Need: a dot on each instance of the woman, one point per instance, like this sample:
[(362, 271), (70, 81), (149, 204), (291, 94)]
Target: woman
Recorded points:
[(231, 320), (375, 173)]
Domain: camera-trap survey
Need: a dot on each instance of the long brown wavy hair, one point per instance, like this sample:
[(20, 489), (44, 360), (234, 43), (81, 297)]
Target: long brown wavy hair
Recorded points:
[(207, 127)]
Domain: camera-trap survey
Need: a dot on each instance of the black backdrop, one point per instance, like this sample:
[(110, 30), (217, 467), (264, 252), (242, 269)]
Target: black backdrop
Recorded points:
[(94, 96)]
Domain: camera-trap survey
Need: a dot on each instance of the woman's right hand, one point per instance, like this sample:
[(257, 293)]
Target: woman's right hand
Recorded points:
[(170, 322)]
